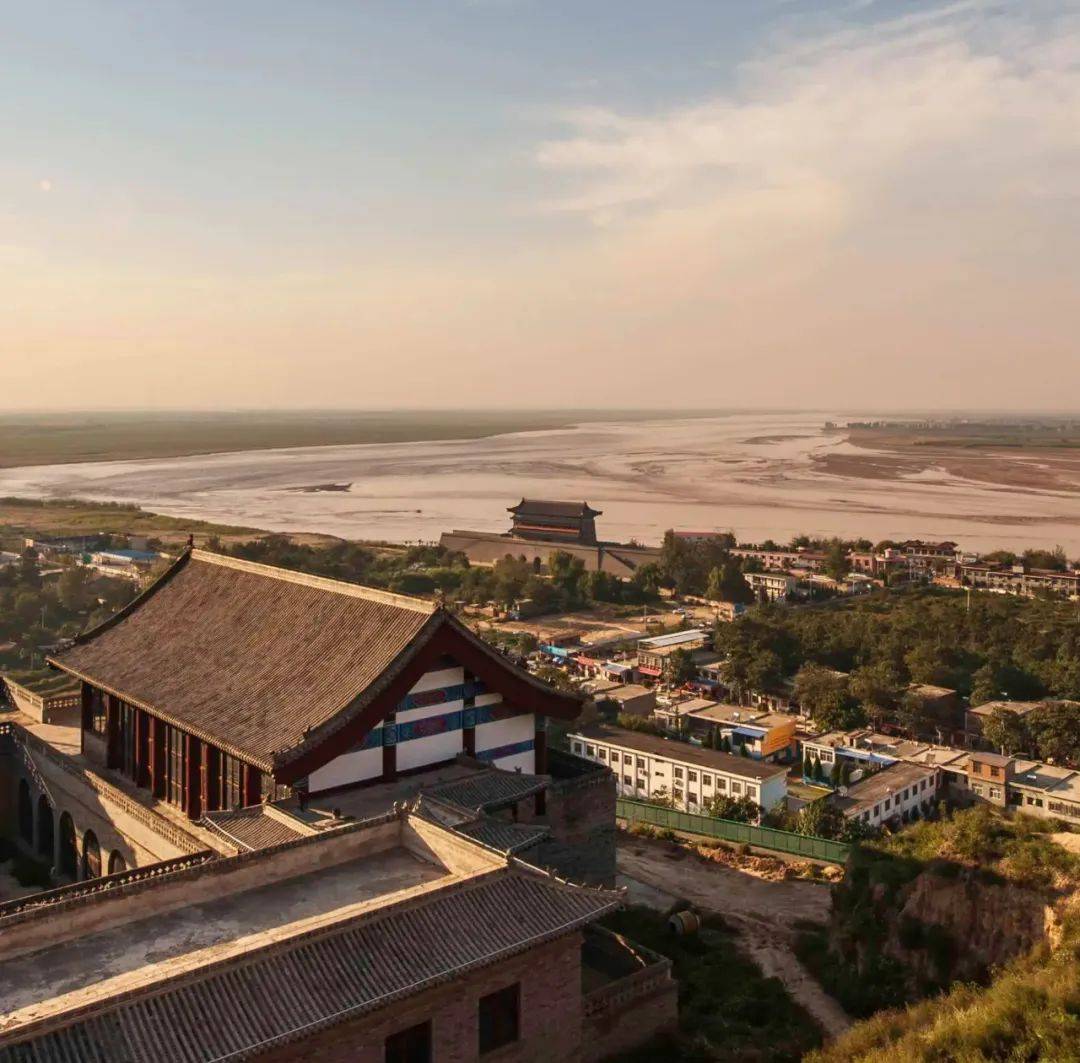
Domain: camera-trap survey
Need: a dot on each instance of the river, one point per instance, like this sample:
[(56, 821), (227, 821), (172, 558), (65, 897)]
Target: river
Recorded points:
[(760, 475)]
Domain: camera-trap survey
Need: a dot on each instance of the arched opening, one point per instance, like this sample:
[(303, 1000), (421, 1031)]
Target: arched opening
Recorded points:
[(46, 840), (91, 856), (69, 855), (26, 813), (116, 862)]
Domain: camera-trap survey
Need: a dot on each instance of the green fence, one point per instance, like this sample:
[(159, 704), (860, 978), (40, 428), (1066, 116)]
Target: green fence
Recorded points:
[(781, 841)]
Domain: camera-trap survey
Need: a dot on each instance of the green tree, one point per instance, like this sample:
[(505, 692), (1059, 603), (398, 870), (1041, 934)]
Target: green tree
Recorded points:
[(1055, 729), (808, 766), (727, 584), (825, 696), (836, 559), (740, 809), (681, 667), (877, 688), (1007, 731), (820, 819), (73, 589), (819, 775)]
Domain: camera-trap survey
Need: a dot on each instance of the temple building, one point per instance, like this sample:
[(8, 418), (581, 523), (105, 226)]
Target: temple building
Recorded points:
[(540, 528), (228, 682), (574, 522)]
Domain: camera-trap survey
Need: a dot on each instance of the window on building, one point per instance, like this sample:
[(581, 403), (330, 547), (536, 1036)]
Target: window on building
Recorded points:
[(888, 803), (865, 817), (601, 754), (627, 759), (641, 762), (410, 1046), (922, 785), (627, 780), (577, 747), (691, 776), (499, 1015), (678, 773), (751, 792), (995, 793), (590, 751), (706, 780), (736, 787), (721, 784), (877, 811)]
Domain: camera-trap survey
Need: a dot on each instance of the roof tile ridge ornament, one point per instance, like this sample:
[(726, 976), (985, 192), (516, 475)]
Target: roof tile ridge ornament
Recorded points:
[(306, 579)]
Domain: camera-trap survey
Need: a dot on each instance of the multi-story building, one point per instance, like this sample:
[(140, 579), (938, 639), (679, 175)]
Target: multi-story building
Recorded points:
[(775, 586), (782, 560), (647, 766), (654, 654), (890, 796), (1016, 579), (1025, 785)]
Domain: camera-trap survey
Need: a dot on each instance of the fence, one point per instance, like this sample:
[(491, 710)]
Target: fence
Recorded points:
[(781, 841)]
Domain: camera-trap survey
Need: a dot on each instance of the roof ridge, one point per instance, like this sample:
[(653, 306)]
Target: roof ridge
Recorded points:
[(343, 587)]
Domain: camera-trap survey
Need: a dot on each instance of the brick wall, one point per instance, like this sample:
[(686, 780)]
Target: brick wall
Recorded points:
[(621, 1025), (581, 814), (551, 1015)]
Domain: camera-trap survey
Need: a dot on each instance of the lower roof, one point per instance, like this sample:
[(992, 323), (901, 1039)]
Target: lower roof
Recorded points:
[(292, 991)]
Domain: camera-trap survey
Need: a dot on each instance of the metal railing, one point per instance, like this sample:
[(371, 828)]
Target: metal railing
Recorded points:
[(780, 841)]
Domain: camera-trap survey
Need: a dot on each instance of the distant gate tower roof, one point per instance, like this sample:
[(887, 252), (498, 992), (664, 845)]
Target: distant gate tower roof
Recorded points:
[(538, 518)]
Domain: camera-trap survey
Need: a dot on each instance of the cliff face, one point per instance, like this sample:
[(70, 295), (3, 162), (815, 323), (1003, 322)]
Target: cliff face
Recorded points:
[(957, 927)]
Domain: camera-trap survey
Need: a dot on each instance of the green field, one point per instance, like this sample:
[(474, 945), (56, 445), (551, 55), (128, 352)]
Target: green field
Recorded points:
[(59, 438)]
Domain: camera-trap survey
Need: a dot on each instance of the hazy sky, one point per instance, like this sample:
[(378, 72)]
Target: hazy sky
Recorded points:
[(540, 202)]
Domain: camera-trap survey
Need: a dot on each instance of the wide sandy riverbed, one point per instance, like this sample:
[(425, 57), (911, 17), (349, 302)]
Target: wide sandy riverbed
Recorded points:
[(761, 475)]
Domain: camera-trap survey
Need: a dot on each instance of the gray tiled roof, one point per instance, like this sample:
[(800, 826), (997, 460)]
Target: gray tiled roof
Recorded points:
[(489, 789), (288, 992), (505, 837), (251, 828)]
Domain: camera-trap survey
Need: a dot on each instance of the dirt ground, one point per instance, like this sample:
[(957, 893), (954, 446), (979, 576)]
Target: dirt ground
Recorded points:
[(1068, 840), (761, 912)]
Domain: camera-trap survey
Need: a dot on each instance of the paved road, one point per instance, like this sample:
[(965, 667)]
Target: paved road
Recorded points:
[(762, 913)]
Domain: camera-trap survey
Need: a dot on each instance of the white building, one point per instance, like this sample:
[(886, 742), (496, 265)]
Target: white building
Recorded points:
[(890, 795), (777, 586), (645, 764)]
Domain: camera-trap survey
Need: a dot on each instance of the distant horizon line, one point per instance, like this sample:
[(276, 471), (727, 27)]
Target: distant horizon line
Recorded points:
[(562, 411)]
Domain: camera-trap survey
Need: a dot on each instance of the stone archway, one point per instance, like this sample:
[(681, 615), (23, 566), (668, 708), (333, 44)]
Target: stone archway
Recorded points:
[(117, 863), (46, 830), (68, 860), (26, 813), (91, 856)]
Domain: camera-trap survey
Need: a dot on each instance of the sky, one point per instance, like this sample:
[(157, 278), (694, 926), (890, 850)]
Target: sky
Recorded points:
[(375, 203)]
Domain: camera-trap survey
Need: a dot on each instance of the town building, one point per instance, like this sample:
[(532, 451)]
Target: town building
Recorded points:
[(774, 586), (647, 766), (1016, 579), (783, 560), (891, 796), (630, 699), (654, 655), (389, 938), (1025, 785), (764, 735)]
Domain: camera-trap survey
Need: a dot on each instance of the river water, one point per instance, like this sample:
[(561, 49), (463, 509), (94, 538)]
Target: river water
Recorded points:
[(760, 475)]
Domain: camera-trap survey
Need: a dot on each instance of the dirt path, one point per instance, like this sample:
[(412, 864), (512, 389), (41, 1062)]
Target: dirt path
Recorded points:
[(762, 913)]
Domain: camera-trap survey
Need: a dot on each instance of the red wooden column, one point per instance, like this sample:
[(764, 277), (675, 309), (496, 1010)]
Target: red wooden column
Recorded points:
[(156, 760), (251, 781), (142, 748), (211, 778), (193, 777), (112, 731)]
